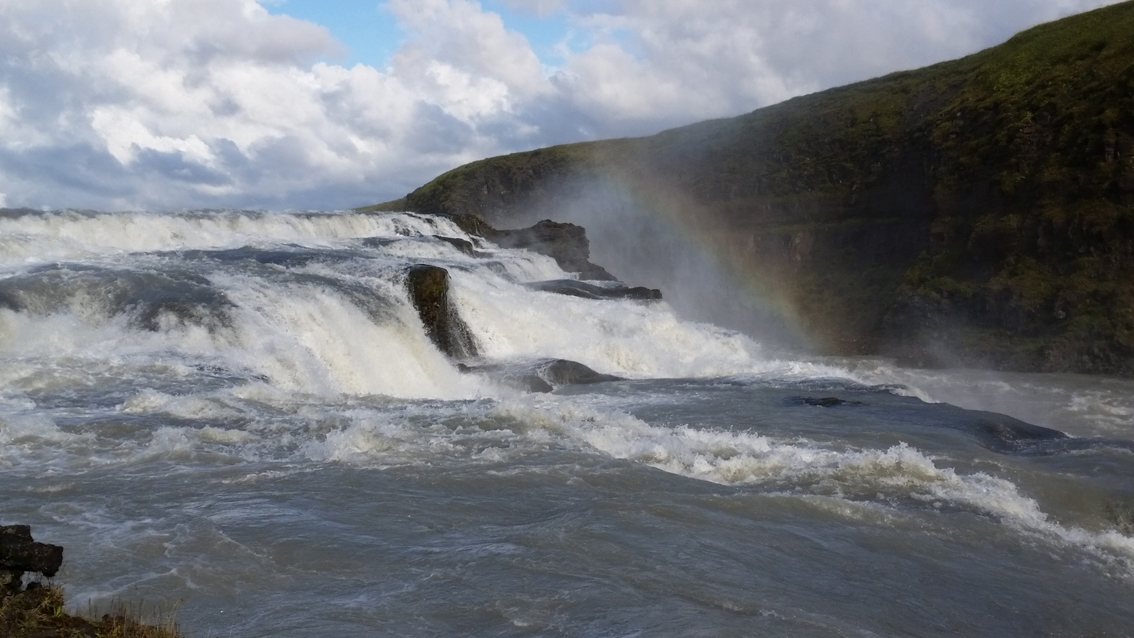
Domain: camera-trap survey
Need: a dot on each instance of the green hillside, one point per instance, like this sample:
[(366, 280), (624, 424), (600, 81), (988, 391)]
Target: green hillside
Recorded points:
[(975, 212)]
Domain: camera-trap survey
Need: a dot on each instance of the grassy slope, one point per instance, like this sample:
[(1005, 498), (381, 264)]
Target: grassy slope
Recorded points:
[(977, 211)]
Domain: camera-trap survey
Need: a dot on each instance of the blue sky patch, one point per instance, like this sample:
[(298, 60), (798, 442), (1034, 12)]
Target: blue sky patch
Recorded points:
[(367, 29), (373, 36)]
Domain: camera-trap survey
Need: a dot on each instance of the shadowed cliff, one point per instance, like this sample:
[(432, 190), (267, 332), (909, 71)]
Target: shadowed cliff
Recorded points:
[(976, 212)]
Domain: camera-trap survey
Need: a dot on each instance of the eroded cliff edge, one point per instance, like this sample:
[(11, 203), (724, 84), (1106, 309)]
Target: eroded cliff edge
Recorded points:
[(977, 212)]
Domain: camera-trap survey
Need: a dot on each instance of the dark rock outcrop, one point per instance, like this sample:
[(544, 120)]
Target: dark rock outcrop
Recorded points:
[(582, 289), (462, 245), (543, 375), (565, 243), (428, 288), (826, 402), (564, 372), (519, 377), (20, 554)]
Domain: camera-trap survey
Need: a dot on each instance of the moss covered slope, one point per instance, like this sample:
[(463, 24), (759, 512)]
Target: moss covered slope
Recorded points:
[(978, 212)]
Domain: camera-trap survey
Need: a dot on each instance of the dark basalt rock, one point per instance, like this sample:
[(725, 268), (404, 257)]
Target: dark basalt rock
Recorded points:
[(564, 372), (543, 375), (429, 292), (517, 377), (472, 224), (827, 402), (378, 242), (1023, 439), (462, 245), (565, 243), (1006, 435), (582, 289), (294, 258), (19, 554)]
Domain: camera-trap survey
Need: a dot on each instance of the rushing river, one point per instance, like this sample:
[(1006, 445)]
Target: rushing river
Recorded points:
[(241, 414)]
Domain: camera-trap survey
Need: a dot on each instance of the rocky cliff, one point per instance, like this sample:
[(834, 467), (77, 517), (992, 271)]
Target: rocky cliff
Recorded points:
[(976, 212)]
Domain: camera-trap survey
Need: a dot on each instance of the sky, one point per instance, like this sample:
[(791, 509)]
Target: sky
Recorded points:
[(332, 104)]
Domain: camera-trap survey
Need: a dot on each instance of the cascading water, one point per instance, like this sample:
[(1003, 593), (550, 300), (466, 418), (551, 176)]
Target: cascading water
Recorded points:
[(245, 412)]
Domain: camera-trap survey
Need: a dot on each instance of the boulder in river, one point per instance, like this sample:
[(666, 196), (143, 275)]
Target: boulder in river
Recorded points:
[(542, 375), (428, 288), (574, 288), (463, 245), (564, 372), (827, 402), (566, 243)]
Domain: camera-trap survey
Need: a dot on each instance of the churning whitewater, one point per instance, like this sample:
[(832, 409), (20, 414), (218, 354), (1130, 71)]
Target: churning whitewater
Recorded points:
[(243, 411)]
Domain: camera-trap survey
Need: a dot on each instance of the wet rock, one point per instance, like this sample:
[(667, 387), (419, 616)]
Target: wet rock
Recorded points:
[(1121, 515), (295, 257), (827, 402), (472, 224), (516, 377), (1006, 435), (543, 375), (565, 243), (585, 290), (379, 242), (19, 554), (462, 245), (153, 301), (428, 288), (564, 372)]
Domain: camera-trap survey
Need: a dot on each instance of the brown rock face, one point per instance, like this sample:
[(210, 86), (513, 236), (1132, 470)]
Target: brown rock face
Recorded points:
[(565, 243), (428, 288)]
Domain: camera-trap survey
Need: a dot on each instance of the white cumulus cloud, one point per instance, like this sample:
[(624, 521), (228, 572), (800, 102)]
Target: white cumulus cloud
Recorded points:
[(177, 103)]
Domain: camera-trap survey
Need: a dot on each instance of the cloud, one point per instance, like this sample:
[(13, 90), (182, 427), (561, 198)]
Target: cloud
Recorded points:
[(180, 103), (541, 8), (670, 60), (146, 104)]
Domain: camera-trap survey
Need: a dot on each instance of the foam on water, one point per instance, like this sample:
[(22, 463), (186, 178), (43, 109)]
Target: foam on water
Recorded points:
[(345, 326), (1081, 405), (324, 362), (492, 433), (743, 458), (33, 439), (191, 406), (314, 341), (76, 235), (624, 338), (281, 427)]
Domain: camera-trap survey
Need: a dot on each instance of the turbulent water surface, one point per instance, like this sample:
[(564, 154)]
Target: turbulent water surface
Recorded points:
[(242, 411)]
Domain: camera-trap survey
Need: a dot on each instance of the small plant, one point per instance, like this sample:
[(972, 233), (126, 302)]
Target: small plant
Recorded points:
[(39, 611)]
